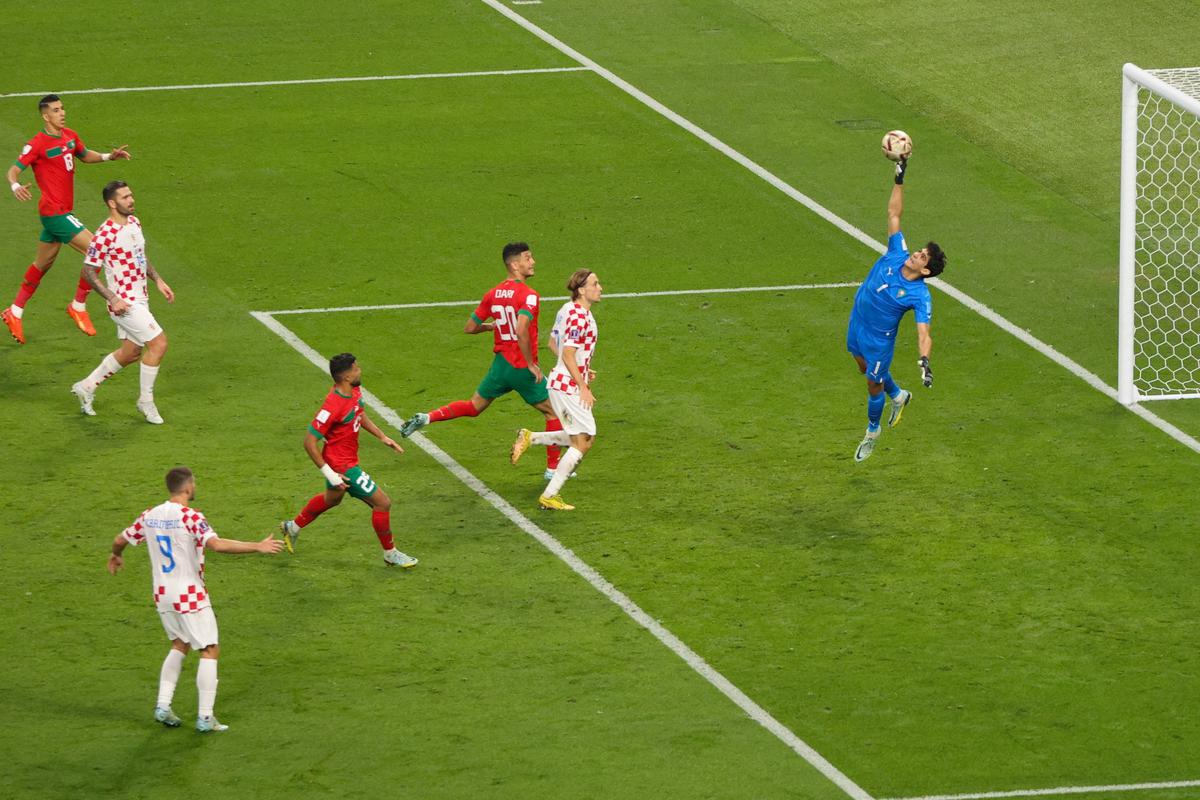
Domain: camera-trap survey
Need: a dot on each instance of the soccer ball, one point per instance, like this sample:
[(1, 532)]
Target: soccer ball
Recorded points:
[(896, 145)]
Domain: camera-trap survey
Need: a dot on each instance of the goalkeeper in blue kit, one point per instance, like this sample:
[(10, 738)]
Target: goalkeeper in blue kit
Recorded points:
[(895, 284)]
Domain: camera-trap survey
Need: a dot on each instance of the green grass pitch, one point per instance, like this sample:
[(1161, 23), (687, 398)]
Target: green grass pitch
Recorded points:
[(1002, 598)]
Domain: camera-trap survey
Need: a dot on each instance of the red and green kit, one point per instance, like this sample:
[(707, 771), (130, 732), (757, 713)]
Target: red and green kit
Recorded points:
[(502, 305), (53, 162), (338, 423)]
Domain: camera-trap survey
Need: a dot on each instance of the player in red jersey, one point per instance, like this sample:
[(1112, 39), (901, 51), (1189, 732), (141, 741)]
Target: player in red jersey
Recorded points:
[(337, 423), (513, 308), (52, 153)]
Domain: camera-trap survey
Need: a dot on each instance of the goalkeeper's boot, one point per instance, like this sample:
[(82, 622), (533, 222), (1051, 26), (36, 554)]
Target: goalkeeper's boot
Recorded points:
[(394, 558), (150, 412), (867, 445), (549, 473), (85, 398), (291, 532), (414, 424), (14, 325), (167, 717), (898, 407), (555, 503), (82, 320), (209, 724), (524, 439)]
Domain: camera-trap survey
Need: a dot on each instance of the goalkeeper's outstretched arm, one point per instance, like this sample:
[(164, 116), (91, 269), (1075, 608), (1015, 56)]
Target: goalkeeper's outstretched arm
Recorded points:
[(896, 202)]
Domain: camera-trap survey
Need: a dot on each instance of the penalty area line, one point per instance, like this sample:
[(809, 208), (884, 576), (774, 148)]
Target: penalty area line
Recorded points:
[(614, 295), (1060, 790), (308, 81), (585, 571)]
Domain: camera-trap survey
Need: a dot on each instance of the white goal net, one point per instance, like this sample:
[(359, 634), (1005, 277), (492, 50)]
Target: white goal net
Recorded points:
[(1159, 318)]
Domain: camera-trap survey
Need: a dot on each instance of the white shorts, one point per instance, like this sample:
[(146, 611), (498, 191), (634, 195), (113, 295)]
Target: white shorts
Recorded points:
[(137, 324), (574, 417), (197, 628)]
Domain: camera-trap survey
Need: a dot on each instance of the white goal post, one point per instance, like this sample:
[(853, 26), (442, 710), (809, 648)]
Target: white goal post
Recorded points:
[(1158, 342)]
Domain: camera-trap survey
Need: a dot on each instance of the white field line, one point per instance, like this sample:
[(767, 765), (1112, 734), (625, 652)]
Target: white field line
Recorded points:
[(820, 210), (671, 293), (306, 81), (598, 581), (1061, 790)]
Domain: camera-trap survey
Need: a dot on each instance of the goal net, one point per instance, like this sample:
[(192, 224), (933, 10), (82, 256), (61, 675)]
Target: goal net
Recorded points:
[(1159, 315)]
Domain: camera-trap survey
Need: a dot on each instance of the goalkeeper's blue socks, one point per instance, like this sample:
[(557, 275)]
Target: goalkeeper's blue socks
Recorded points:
[(889, 386), (874, 411)]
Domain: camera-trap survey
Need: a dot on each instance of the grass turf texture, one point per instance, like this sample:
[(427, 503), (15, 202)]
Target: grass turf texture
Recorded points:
[(1000, 598)]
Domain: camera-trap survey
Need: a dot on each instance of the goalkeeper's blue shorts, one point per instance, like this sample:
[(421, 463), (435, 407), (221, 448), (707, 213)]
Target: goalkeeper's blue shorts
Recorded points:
[(876, 348)]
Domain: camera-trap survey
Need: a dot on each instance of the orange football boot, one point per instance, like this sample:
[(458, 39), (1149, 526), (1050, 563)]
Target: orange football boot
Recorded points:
[(81, 319), (14, 325)]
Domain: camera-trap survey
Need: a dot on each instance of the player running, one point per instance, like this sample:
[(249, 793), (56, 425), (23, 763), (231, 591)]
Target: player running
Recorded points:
[(895, 284), (337, 423), (570, 388), (119, 250), (52, 153), (513, 307), (180, 536)]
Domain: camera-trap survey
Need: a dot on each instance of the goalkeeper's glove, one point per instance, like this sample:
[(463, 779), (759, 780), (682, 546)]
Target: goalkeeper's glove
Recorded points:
[(926, 372), (901, 168)]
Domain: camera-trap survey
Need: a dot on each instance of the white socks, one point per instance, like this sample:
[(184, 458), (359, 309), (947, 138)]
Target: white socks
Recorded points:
[(560, 438), (566, 466), (78, 306), (16, 311), (148, 376), (108, 367), (169, 676), (206, 685)]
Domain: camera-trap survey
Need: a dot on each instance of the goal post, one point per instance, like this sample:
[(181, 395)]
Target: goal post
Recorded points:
[(1158, 341)]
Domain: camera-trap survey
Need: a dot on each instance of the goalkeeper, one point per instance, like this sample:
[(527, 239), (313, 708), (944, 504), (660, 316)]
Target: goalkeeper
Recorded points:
[(895, 284)]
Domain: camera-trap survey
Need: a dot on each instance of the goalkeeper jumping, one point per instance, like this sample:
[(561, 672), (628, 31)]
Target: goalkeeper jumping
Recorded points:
[(895, 284)]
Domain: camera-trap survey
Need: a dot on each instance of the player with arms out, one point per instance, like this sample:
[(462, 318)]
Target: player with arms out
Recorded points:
[(337, 425), (119, 250), (895, 284), (180, 536), (570, 388), (513, 307), (52, 153)]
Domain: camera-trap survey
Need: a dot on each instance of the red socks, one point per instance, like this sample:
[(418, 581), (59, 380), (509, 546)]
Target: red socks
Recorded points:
[(314, 509), (381, 521), (81, 291), (553, 452), (459, 408), (33, 276)]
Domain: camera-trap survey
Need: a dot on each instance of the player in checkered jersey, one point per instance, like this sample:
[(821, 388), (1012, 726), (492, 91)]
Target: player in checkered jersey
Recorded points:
[(180, 535), (53, 154), (570, 389), (119, 249)]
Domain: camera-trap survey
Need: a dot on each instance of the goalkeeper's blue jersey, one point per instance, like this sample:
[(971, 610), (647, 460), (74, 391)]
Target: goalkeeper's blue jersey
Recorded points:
[(885, 296)]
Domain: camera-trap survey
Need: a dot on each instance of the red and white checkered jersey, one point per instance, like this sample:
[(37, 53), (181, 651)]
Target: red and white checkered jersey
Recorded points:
[(175, 536), (577, 330), (120, 250)]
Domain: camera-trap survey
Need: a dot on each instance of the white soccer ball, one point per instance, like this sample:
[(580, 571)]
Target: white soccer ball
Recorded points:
[(896, 145)]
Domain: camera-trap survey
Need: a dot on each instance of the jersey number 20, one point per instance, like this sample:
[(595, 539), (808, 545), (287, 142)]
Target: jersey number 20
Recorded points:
[(506, 322)]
